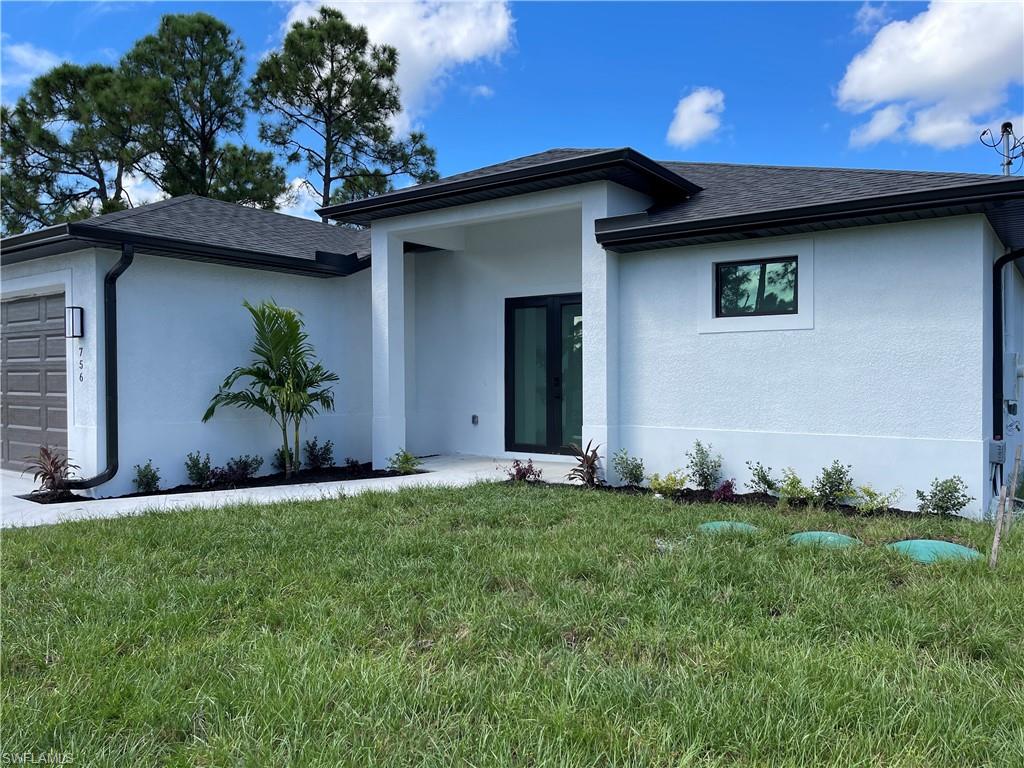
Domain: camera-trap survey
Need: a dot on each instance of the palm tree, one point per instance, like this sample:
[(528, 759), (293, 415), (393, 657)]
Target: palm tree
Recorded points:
[(309, 395), (284, 379)]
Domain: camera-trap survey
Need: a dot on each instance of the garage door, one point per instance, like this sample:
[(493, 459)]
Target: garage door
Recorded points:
[(34, 382)]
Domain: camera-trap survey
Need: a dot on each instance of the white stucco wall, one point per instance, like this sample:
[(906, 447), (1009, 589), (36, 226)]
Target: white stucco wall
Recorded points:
[(888, 376), (182, 328), (455, 325), (887, 367)]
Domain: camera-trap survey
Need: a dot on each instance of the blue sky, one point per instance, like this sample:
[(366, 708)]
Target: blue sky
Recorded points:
[(898, 85)]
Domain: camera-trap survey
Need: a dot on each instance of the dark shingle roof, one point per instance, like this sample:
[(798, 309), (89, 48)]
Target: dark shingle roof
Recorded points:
[(533, 173), (516, 164), (707, 194), (216, 223), (731, 190)]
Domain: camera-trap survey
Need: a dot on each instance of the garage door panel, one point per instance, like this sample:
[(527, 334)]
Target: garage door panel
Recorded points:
[(24, 383), (55, 346), (24, 416), (56, 419), (24, 350), (34, 380), (56, 383), (55, 307), (19, 311), (20, 452)]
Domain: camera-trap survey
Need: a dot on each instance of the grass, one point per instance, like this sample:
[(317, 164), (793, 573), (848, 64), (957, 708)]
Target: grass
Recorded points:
[(502, 625)]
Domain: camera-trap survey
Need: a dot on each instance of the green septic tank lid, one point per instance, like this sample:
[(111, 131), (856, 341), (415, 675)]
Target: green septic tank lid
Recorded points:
[(829, 539), (727, 526), (932, 550)]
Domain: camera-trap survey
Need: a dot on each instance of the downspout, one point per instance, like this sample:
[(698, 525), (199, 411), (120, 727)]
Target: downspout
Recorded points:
[(997, 340), (109, 368)]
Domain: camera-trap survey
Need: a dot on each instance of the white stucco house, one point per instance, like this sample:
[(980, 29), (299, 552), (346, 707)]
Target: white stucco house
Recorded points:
[(790, 316)]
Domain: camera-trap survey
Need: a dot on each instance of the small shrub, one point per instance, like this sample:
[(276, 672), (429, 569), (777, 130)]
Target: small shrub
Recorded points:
[(945, 497), (834, 485), (705, 467), (670, 484), (199, 469), (147, 478), (523, 471), (352, 465), (281, 458), (630, 469), (761, 480), (403, 462), (588, 467), (319, 456), (726, 491), (237, 471), (51, 469), (792, 488), (872, 501)]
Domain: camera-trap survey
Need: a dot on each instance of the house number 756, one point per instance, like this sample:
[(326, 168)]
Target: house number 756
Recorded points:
[(81, 364)]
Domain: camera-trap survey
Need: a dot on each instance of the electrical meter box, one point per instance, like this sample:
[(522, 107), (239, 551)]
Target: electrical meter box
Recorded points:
[(997, 452)]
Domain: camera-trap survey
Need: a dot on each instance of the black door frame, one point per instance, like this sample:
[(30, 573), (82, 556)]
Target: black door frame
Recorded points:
[(553, 303)]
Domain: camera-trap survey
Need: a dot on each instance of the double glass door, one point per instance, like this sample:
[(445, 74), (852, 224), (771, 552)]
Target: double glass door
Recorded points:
[(543, 373)]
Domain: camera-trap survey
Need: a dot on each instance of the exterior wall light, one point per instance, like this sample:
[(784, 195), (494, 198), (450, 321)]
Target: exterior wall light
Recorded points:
[(74, 322)]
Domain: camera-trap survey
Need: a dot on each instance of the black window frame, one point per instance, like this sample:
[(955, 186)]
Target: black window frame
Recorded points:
[(761, 263)]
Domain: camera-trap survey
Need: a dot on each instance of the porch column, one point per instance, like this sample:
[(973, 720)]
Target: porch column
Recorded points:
[(600, 283), (388, 317)]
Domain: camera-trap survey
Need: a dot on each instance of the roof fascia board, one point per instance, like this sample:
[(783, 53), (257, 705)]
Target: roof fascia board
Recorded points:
[(26, 239), (51, 246), (237, 257), (592, 162), (623, 230), (75, 236)]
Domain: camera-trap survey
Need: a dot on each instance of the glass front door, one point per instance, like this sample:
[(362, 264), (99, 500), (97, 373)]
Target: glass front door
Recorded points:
[(543, 373)]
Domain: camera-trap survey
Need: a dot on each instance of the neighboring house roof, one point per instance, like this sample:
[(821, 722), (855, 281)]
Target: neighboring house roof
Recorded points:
[(196, 227), (720, 201)]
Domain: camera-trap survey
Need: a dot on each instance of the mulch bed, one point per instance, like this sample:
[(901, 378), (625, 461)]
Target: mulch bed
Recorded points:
[(53, 497), (303, 476), (693, 496)]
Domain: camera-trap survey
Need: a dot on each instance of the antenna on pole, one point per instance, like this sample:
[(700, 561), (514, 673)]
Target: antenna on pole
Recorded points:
[(1009, 147)]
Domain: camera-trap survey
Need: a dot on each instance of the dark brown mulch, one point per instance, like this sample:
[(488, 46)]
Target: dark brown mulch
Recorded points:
[(303, 476), (53, 497)]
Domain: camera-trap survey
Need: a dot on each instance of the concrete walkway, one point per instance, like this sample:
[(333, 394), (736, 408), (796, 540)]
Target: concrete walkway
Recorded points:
[(452, 471)]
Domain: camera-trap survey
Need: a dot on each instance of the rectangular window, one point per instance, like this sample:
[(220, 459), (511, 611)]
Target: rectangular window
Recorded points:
[(750, 288)]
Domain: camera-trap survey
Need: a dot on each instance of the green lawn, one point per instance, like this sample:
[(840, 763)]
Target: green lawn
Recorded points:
[(503, 625)]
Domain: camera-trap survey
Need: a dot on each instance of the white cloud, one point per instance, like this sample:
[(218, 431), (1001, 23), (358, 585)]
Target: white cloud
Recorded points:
[(871, 17), (884, 124), (141, 190), (481, 91), (948, 69), (697, 116), (23, 62), (299, 200), (433, 39)]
